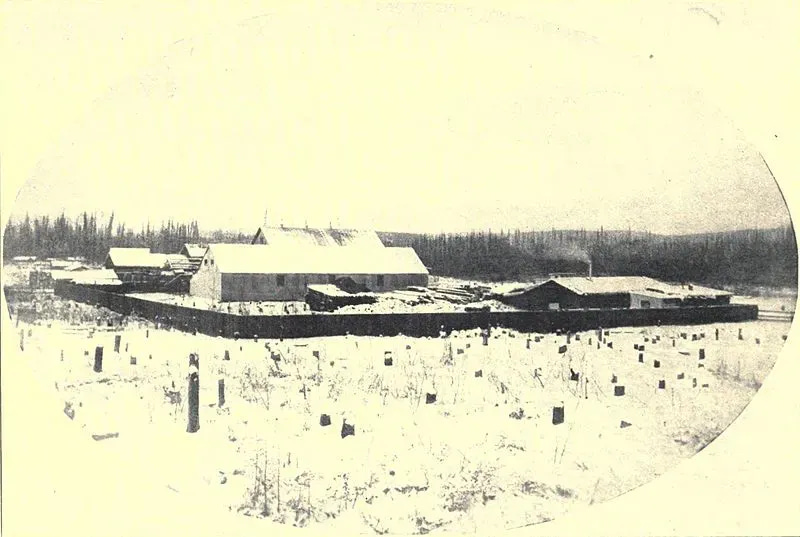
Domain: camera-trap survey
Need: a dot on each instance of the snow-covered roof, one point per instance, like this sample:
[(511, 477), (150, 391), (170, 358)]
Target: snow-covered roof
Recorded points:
[(599, 285), (297, 237), (179, 262), (259, 259), (136, 257), (88, 277), (66, 275), (76, 266), (656, 294), (194, 250)]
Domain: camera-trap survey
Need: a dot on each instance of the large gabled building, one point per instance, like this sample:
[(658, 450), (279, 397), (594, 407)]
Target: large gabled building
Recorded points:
[(237, 272), (576, 292), (303, 236)]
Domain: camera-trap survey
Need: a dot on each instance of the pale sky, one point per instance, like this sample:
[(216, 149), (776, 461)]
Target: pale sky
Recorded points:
[(391, 116)]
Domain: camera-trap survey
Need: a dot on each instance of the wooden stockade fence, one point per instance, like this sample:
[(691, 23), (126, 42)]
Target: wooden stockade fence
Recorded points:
[(216, 323), (776, 315)]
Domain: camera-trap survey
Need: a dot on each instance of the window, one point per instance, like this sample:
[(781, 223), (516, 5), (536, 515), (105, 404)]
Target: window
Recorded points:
[(212, 262), (281, 280), (205, 261), (645, 304), (380, 280)]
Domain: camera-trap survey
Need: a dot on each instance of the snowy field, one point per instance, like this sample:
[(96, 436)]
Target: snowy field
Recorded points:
[(454, 435)]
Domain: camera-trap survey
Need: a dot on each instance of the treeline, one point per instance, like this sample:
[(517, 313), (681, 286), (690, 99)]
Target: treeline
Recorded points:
[(757, 257), (85, 236)]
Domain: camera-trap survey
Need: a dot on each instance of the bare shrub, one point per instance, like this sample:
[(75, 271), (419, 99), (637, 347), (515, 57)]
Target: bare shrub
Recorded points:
[(470, 487)]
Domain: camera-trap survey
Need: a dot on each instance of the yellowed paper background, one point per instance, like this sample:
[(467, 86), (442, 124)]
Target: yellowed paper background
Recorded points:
[(744, 483)]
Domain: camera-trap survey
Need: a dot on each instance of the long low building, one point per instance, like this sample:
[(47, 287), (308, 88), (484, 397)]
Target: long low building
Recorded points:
[(637, 292), (242, 272), (130, 261)]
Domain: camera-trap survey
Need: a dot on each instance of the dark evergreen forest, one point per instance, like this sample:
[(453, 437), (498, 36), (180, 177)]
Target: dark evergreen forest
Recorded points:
[(86, 237), (752, 257)]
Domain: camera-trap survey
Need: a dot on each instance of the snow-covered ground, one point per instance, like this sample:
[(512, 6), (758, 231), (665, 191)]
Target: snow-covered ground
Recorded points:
[(386, 303), (484, 454)]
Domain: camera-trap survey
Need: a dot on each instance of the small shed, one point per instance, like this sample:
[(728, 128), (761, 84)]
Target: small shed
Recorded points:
[(654, 299), (195, 253), (180, 263), (136, 264)]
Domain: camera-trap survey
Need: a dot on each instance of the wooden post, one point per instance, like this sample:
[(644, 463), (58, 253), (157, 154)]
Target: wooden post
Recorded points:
[(716, 334), (264, 482), (194, 394), (221, 392), (98, 359), (278, 482)]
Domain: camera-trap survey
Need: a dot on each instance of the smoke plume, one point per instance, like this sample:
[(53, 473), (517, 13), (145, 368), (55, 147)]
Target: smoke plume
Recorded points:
[(568, 253)]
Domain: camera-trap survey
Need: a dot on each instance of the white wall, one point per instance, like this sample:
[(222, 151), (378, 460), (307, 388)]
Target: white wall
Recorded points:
[(256, 287), (206, 282)]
